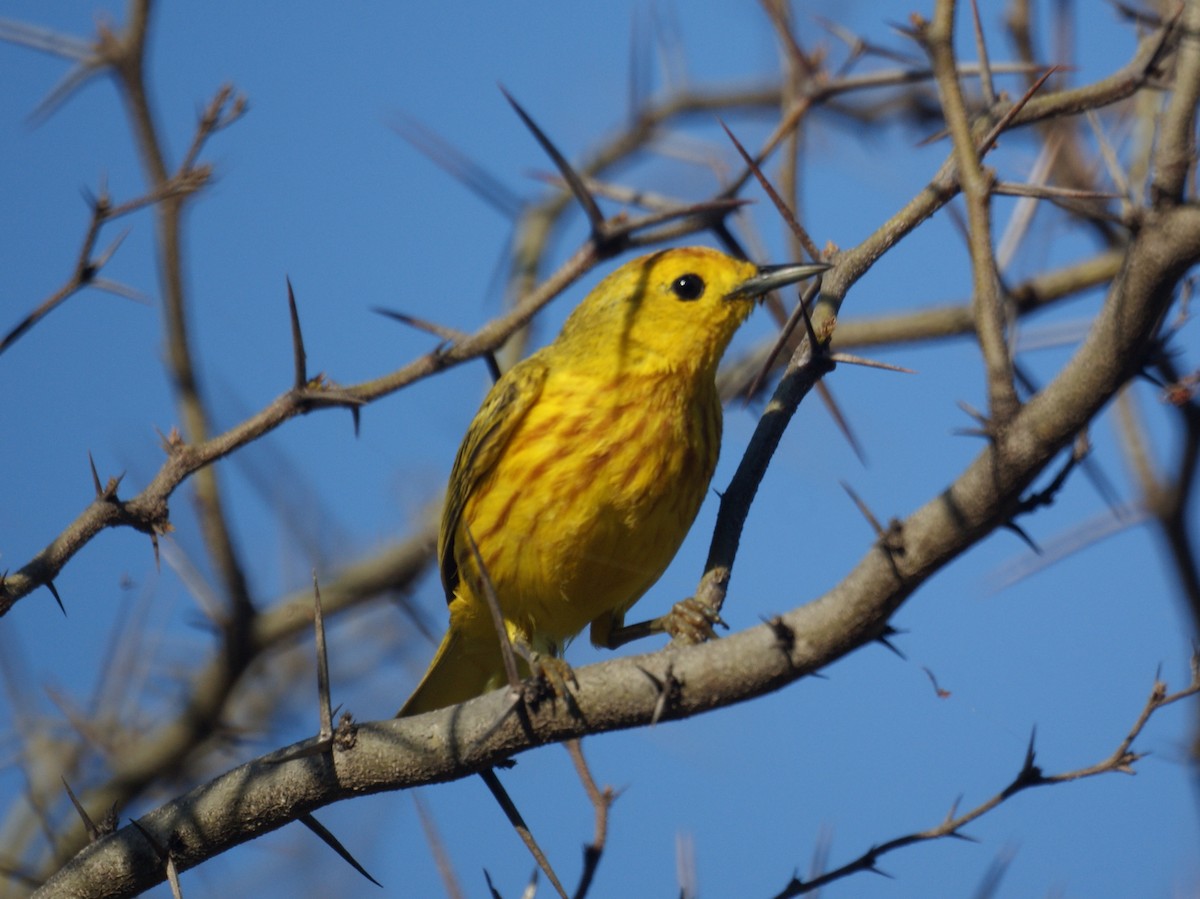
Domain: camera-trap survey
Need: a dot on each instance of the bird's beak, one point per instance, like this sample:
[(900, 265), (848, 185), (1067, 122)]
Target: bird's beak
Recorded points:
[(771, 277)]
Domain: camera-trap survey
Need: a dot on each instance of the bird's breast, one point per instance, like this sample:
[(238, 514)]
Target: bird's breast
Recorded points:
[(593, 496)]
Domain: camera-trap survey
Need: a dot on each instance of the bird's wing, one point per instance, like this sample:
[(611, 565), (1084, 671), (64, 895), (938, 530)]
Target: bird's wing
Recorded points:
[(506, 405)]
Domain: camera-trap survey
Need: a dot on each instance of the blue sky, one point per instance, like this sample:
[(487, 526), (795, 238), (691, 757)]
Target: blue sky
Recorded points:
[(313, 184)]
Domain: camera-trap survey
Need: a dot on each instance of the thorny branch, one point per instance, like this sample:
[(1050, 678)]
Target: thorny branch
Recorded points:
[(795, 644), (1120, 761), (618, 694), (977, 184)]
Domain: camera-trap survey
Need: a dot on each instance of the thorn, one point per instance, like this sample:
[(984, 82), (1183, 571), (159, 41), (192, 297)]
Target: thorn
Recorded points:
[(323, 698), (95, 477), (1128, 760), (785, 636), (93, 831), (332, 842), (667, 690), (973, 412), (450, 335), (118, 289), (356, 416), (839, 418), (800, 313), (108, 493), (931, 139), (75, 77), (1046, 496), (299, 357), (101, 203), (1137, 16), (892, 542), (107, 253), (1029, 752), (998, 128), (154, 544), (493, 366), (725, 237), (959, 835), (154, 844), (875, 869), (784, 210), (889, 631), (953, 812), (447, 157), (703, 216), (1049, 192), (57, 598), (915, 32), (862, 508), (1147, 375), (1030, 774), (173, 877), (491, 887), (308, 751), (518, 823), (578, 189), (851, 359), (172, 442), (1026, 539), (985, 66), (972, 432)]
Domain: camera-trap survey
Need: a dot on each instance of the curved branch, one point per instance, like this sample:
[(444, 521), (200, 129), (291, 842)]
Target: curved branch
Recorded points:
[(678, 681)]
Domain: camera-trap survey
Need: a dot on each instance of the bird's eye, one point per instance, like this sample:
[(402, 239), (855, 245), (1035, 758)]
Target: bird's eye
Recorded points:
[(688, 287)]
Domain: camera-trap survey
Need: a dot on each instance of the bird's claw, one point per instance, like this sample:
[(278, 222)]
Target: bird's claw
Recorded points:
[(549, 675), (692, 621)]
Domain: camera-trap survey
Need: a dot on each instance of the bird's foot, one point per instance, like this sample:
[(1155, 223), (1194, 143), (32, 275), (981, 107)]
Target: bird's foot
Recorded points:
[(691, 621), (550, 678)]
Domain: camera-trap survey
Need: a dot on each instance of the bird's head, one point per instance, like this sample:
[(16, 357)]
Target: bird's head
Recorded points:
[(673, 309)]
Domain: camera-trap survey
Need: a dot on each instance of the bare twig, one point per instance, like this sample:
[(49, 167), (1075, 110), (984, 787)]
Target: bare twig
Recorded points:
[(1121, 760), (990, 323), (437, 847), (602, 801), (87, 267)]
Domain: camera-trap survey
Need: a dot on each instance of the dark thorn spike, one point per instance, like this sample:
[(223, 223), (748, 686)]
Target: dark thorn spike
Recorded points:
[(57, 598), (581, 193), (333, 843)]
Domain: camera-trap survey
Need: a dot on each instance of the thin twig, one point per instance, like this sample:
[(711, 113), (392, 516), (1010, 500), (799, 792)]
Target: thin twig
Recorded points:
[(1121, 760), (602, 801)]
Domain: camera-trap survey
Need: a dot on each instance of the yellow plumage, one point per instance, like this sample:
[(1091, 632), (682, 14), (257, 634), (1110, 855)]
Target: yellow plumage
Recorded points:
[(586, 464)]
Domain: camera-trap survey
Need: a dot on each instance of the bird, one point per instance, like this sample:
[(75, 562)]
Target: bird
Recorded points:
[(586, 464)]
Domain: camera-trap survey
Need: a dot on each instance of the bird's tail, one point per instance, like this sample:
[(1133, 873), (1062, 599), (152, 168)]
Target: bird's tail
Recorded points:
[(466, 665)]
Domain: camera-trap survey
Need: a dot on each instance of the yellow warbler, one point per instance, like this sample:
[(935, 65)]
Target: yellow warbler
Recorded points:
[(586, 464)]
